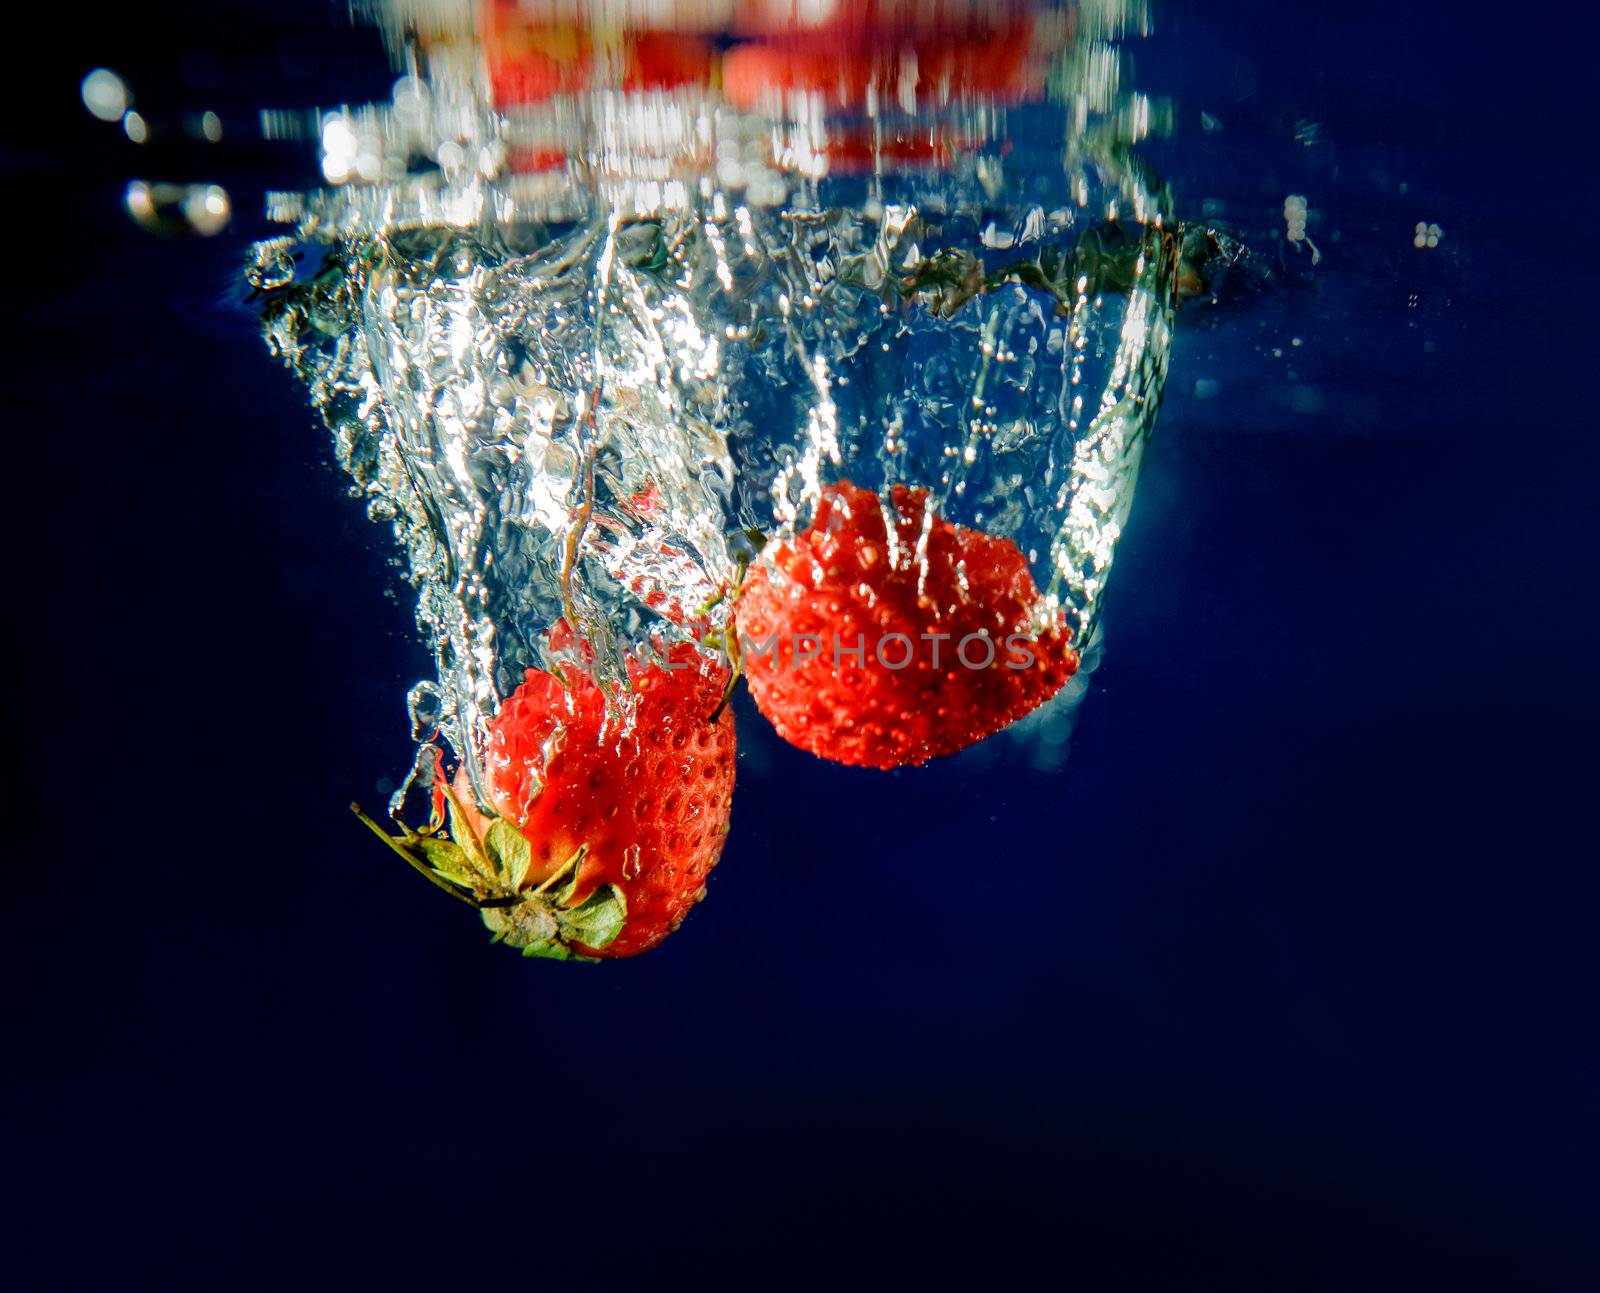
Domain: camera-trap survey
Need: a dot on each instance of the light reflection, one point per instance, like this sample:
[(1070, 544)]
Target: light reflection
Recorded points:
[(105, 94), (203, 209)]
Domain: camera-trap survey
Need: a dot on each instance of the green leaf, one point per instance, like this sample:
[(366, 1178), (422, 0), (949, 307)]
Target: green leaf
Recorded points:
[(447, 859), (551, 951), (565, 894), (597, 920), (461, 830), (509, 852)]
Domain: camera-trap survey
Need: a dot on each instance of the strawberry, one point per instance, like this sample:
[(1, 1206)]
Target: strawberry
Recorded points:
[(885, 654), (595, 843)]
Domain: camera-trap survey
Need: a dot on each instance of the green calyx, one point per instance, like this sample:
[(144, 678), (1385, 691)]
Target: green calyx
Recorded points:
[(541, 928), (495, 876)]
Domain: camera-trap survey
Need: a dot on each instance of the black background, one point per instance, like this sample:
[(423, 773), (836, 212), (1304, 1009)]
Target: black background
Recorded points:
[(1285, 981)]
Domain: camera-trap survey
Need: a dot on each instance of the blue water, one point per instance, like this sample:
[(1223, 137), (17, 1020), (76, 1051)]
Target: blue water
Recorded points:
[(1285, 981)]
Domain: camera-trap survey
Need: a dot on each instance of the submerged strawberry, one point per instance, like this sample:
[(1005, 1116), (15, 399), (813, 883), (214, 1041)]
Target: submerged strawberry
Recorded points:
[(597, 842), (883, 651)]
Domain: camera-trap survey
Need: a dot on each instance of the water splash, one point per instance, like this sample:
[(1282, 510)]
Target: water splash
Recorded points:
[(577, 339)]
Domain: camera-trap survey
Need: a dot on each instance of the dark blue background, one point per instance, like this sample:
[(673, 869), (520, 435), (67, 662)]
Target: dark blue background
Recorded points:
[(1286, 981)]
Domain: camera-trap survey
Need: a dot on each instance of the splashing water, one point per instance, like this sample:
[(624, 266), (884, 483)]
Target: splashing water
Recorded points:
[(601, 337)]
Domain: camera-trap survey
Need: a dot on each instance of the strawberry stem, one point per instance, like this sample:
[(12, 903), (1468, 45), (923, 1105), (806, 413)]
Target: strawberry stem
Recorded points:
[(727, 692), (731, 646), (418, 864)]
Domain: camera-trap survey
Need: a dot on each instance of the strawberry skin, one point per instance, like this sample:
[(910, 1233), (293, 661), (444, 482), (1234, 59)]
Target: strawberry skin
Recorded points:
[(841, 582), (595, 842), (649, 810)]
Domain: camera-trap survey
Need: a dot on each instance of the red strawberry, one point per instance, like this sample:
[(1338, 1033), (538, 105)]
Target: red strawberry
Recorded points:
[(870, 654), (598, 842)]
